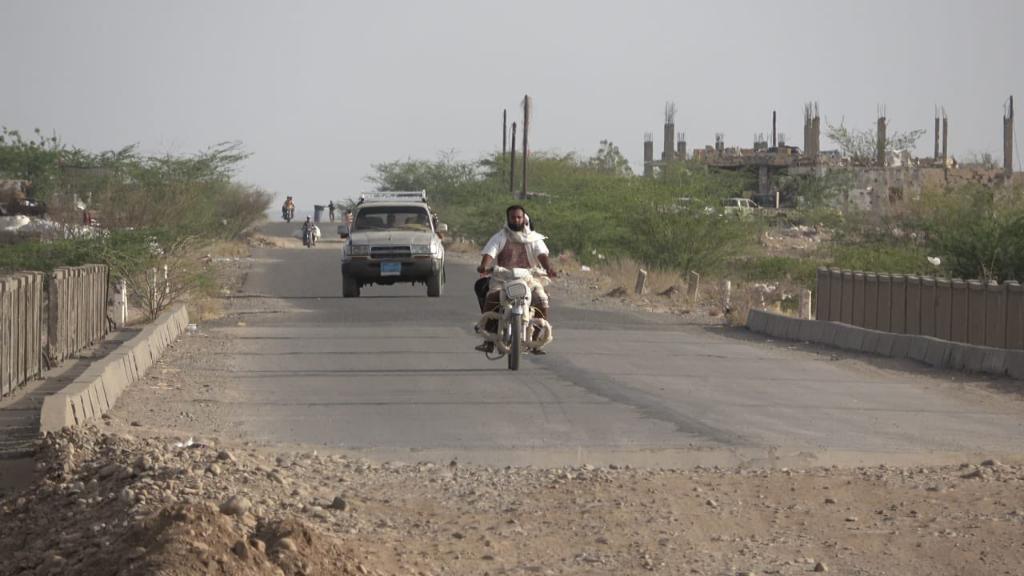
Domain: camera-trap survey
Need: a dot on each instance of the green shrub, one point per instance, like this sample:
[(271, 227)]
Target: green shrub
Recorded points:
[(888, 257), (977, 231), (771, 268)]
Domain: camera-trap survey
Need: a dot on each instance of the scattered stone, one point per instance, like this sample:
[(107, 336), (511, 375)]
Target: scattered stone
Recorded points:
[(236, 506), (225, 455), (287, 543), (821, 567), (991, 463), (339, 503), (973, 474), (830, 500), (258, 544), (711, 503), (241, 550)]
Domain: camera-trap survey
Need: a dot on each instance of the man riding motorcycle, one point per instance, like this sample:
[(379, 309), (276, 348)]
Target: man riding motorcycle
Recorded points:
[(310, 232), (515, 246), (288, 209)]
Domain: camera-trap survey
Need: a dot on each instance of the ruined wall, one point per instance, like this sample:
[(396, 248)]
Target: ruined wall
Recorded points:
[(876, 188)]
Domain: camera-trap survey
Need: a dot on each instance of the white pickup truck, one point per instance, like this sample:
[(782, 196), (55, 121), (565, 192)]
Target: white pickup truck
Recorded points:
[(394, 237)]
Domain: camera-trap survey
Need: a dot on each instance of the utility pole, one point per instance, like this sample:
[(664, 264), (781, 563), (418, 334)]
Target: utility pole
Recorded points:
[(504, 132), (512, 171), (526, 139)]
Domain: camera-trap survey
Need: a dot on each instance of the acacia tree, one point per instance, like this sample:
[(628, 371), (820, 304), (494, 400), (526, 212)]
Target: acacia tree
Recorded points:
[(862, 145), (609, 159)]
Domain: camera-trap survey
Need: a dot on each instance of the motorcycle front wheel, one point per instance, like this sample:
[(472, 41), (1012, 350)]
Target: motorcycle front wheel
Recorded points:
[(516, 344)]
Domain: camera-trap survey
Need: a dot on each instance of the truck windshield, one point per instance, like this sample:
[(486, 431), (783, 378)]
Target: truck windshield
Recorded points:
[(391, 218)]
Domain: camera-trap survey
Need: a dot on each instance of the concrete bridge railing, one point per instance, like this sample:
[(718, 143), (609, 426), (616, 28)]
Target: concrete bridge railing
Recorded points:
[(47, 318)]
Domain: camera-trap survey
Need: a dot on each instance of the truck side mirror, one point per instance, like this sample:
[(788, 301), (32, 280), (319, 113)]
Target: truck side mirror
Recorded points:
[(442, 228)]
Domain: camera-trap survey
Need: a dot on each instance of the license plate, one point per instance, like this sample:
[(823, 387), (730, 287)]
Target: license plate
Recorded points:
[(390, 268)]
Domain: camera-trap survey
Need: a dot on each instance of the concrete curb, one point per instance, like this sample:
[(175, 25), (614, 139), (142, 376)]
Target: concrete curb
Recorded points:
[(934, 352), (96, 390)]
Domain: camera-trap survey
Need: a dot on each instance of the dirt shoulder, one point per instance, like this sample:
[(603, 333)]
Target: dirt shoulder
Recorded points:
[(119, 504)]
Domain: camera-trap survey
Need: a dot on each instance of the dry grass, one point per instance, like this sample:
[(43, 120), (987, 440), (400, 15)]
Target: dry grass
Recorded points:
[(205, 309), (273, 241), (461, 246), (227, 249)]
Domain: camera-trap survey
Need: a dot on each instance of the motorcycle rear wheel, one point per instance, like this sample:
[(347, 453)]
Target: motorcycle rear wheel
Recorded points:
[(516, 344)]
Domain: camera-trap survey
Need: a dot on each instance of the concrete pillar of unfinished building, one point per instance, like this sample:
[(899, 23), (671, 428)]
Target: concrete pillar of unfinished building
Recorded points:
[(1008, 139), (938, 130), (945, 141), (816, 134), (668, 151), (880, 146), (648, 157)]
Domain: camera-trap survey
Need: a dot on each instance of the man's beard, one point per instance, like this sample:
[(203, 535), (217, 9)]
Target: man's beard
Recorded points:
[(515, 227)]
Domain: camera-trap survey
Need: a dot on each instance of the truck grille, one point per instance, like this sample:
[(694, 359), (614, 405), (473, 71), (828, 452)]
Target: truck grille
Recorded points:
[(387, 252)]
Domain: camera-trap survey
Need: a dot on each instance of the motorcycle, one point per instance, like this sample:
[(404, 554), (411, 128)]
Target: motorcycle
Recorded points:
[(517, 325), (287, 213), (310, 236)]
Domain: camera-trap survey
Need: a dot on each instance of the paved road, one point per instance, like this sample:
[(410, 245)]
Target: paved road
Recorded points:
[(395, 374)]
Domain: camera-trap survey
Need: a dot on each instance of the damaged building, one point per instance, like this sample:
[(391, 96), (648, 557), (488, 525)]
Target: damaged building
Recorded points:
[(876, 181)]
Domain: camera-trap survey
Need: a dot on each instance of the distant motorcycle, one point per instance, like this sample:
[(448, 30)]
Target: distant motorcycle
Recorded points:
[(287, 212), (517, 326), (310, 236)]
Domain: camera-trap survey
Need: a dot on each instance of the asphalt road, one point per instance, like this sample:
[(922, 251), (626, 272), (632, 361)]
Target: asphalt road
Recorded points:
[(393, 373)]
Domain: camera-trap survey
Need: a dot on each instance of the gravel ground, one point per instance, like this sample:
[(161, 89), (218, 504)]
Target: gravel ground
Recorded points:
[(162, 486)]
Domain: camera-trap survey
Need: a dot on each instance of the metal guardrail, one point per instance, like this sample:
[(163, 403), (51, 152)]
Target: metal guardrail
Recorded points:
[(969, 311)]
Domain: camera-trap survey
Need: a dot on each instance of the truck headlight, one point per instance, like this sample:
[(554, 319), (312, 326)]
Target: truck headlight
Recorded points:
[(421, 249), (357, 249)]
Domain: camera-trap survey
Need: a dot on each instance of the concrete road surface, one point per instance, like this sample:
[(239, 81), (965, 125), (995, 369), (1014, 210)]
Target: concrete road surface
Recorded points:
[(394, 373)]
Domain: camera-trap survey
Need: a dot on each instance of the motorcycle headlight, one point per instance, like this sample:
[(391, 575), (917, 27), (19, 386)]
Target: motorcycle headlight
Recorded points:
[(516, 290)]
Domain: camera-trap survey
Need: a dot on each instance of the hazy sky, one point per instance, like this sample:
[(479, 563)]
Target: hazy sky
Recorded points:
[(320, 91)]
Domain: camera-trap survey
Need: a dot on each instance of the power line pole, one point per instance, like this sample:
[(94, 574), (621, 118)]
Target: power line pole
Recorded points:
[(504, 132), (526, 139), (512, 171)]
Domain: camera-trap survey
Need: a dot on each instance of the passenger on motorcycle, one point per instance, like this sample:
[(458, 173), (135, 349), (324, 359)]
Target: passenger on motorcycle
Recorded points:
[(515, 246)]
